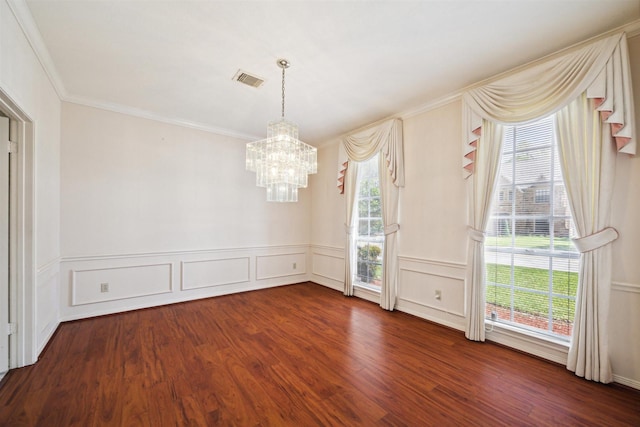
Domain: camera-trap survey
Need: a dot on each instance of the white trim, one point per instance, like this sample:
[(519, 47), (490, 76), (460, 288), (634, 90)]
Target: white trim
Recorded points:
[(145, 114), (46, 337), (366, 294), (23, 284), (30, 30), (431, 306), (450, 264), (539, 345), (423, 311), (431, 105), (47, 265), (74, 303), (329, 248), (24, 18), (83, 258), (182, 269), (626, 381), (276, 276), (625, 287)]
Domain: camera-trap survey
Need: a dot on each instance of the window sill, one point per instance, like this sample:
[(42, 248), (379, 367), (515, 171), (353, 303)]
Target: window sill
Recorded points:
[(543, 346), (368, 293)]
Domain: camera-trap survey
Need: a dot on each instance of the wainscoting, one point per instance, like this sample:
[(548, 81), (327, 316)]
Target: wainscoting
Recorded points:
[(47, 284), (98, 285), (418, 281), (431, 289), (435, 290)]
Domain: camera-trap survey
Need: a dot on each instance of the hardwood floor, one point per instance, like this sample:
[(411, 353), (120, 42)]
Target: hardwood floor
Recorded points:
[(299, 355)]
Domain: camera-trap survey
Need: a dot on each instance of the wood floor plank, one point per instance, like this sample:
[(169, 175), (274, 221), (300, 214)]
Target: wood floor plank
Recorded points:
[(299, 355)]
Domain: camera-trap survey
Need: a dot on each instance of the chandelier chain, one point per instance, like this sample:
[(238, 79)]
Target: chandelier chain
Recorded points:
[(283, 68)]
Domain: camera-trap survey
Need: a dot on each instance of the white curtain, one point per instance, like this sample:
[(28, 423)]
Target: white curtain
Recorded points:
[(598, 72), (385, 138), (350, 191), (600, 68), (480, 194), (588, 159), (389, 194)]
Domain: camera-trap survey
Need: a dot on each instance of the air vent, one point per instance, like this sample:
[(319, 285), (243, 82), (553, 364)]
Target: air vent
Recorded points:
[(248, 79)]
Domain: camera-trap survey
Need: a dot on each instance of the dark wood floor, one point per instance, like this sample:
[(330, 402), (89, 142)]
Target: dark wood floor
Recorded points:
[(299, 355)]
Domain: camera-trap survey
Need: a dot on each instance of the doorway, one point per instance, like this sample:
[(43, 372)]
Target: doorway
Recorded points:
[(17, 238), (5, 207)]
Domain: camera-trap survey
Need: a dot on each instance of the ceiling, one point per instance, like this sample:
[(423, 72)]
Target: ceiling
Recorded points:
[(353, 62)]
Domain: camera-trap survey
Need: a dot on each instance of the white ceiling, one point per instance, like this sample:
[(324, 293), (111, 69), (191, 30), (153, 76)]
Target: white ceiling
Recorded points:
[(353, 62)]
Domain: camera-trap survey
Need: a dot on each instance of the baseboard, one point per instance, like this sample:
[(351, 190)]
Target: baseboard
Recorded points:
[(626, 381), (47, 334)]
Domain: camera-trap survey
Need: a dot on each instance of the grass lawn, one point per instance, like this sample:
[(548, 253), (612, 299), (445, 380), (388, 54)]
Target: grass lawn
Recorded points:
[(564, 283), (532, 242)]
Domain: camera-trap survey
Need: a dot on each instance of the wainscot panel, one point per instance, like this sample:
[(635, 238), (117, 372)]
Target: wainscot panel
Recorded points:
[(135, 281), (214, 272), (280, 265), (114, 283), (48, 283), (327, 266), (433, 290)]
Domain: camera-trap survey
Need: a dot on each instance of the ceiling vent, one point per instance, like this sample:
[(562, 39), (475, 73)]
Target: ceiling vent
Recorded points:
[(248, 79)]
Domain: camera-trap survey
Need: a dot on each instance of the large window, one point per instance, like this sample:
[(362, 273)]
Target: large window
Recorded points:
[(532, 265), (369, 239)]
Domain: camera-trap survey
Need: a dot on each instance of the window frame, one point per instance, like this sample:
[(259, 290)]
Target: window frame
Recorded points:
[(368, 239), (551, 253)]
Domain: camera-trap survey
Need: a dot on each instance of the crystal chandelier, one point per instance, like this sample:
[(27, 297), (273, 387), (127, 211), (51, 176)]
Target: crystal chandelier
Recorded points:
[(282, 162)]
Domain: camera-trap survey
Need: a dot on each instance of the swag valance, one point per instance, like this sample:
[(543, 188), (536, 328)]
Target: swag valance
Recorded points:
[(601, 69), (386, 138)]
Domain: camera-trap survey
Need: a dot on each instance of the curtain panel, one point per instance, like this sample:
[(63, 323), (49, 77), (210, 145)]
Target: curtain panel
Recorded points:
[(590, 89), (385, 138)]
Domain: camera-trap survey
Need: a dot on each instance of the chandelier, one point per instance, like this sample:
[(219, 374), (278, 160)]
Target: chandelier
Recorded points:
[(282, 162)]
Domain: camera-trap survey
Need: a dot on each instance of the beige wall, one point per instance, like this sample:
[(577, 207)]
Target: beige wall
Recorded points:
[(163, 213), (432, 237), (132, 185)]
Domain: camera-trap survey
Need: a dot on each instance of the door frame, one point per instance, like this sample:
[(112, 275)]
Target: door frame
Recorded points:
[(22, 286)]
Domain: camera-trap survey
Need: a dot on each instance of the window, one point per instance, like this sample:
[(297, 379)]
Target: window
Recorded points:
[(369, 239), (532, 265), (542, 196)]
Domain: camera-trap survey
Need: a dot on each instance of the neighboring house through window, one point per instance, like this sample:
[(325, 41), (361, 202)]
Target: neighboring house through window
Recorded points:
[(532, 265)]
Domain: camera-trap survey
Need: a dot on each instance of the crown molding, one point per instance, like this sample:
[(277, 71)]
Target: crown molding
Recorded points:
[(30, 30), (145, 114), (25, 20)]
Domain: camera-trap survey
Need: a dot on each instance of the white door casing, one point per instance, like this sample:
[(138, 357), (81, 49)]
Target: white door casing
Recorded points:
[(4, 245)]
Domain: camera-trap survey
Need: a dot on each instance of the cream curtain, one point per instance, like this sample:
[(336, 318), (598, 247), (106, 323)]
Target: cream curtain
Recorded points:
[(389, 194), (588, 160), (480, 194), (598, 72), (600, 68), (350, 181), (385, 138)]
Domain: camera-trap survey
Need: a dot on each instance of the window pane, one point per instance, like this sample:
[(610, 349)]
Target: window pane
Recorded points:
[(531, 263), (369, 240), (533, 166), (376, 211), (377, 229), (364, 187), (363, 208), (363, 227)]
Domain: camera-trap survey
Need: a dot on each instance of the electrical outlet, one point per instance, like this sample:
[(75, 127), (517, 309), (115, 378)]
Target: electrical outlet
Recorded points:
[(104, 287), (295, 266), (438, 294)]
